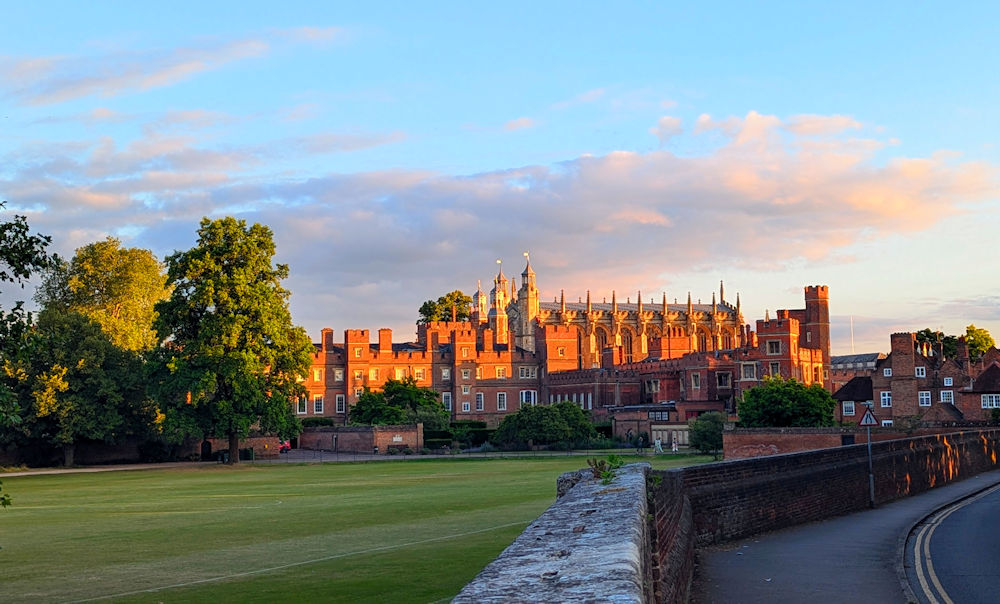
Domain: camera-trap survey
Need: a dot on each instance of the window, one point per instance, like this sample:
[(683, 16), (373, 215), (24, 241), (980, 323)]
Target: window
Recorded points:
[(466, 389), (479, 401), (301, 407), (501, 401), (561, 351), (748, 371), (774, 347), (318, 404), (357, 353), (358, 392), (465, 406), (341, 403), (886, 397), (723, 380), (465, 354), (991, 401), (501, 373), (466, 374), (373, 374), (809, 337), (652, 386), (921, 371), (775, 368), (526, 373), (419, 373), (317, 375), (663, 416), (886, 423), (529, 397), (445, 373), (695, 381), (338, 375), (446, 400), (359, 374), (924, 398), (887, 372), (848, 407), (400, 373), (947, 396), (949, 382), (479, 373)]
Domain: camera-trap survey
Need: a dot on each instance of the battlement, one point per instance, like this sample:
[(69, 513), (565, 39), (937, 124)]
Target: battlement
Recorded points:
[(357, 335), (817, 292)]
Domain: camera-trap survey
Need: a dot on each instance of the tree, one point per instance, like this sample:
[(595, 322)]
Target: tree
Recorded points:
[(400, 402), (949, 344), (82, 386), (978, 341), (542, 424), (441, 309), (779, 402), (115, 286), (705, 432), (232, 356)]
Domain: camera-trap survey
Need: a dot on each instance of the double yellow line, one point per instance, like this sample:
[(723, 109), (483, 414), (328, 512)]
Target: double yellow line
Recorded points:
[(922, 563)]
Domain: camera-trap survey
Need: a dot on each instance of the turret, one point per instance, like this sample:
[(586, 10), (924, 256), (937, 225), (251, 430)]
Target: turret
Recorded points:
[(527, 305)]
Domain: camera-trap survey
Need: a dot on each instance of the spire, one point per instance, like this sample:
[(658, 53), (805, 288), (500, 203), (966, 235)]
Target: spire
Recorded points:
[(527, 266), (722, 292), (713, 303), (639, 302), (737, 303), (589, 308), (767, 315), (500, 276), (562, 300), (614, 302), (664, 305)]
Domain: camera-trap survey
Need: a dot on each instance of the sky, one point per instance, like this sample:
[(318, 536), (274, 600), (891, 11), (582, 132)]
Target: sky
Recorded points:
[(397, 150)]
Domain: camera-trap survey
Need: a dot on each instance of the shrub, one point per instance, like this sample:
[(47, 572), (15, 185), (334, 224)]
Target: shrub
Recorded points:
[(437, 443), (392, 451), (317, 422), (407, 451)]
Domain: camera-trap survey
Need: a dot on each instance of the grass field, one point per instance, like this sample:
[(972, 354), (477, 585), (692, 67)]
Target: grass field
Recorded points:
[(346, 532)]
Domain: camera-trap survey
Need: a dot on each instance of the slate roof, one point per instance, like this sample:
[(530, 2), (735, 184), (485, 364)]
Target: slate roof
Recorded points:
[(858, 389), (988, 380), (864, 358)]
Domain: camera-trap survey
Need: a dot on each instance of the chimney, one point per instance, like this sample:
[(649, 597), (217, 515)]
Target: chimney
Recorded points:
[(384, 340), (962, 352), (326, 339)]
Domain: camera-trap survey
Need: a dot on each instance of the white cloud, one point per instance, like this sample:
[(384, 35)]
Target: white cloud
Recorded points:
[(583, 98), (521, 123), (666, 128)]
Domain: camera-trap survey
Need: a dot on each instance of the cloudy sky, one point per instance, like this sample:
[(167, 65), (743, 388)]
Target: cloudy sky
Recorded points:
[(397, 151)]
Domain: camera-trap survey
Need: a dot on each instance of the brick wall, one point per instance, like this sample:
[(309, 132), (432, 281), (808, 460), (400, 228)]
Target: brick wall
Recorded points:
[(363, 439)]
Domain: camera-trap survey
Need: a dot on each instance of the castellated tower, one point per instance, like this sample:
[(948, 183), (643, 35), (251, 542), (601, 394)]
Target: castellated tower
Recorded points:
[(817, 323), (526, 307), (498, 308)]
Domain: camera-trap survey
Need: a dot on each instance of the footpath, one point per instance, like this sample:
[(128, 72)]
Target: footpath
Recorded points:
[(855, 558)]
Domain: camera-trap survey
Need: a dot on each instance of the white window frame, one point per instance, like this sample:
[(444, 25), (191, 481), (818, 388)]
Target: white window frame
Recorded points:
[(527, 373), (466, 389), (695, 381), (529, 397), (358, 392), (948, 396), (341, 403), (465, 352), (373, 374), (359, 374), (887, 423), (725, 384), (773, 347), (466, 374), (480, 398), (501, 401), (501, 373), (302, 406), (479, 373), (885, 398), (924, 398), (338, 375), (561, 351), (446, 400), (317, 375), (887, 372), (920, 371), (748, 372), (991, 401), (399, 373), (848, 407), (318, 404), (949, 381), (774, 368), (419, 374), (466, 407), (357, 352), (445, 374)]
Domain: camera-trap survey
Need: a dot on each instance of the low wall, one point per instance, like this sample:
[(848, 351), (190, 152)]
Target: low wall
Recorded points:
[(709, 504), (591, 545), (363, 439)]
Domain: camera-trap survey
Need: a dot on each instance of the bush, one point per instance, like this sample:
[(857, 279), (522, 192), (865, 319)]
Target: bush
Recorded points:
[(437, 443), (706, 432), (468, 423), (487, 448), (407, 451), (392, 451), (435, 434), (317, 422)]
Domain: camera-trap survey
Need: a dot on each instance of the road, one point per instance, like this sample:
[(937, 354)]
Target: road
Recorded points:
[(954, 555), (856, 558)]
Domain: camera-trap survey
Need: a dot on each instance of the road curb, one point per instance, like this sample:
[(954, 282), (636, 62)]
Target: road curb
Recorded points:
[(904, 582)]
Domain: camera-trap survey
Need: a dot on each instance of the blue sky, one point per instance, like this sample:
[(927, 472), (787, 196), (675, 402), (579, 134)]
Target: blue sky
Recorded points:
[(397, 150)]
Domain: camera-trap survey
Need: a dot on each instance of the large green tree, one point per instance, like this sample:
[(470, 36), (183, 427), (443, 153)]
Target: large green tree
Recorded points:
[(232, 355), (563, 422), (778, 402), (978, 341), (949, 344), (442, 308), (400, 402), (117, 287)]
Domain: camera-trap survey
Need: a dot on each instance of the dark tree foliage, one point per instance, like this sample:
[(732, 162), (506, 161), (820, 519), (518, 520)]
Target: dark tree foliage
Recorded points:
[(779, 402), (441, 309), (232, 356), (705, 432), (563, 422), (948, 344), (400, 402)]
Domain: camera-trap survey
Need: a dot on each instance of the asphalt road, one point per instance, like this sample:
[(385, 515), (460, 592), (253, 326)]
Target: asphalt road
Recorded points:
[(954, 555), (856, 558)]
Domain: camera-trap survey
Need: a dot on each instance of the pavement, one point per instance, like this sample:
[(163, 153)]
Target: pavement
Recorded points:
[(856, 558)]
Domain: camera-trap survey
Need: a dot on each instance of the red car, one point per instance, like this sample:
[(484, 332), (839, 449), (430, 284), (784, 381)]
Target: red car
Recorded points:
[(284, 446)]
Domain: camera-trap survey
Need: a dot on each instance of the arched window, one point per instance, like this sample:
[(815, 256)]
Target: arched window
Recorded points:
[(727, 340), (627, 345), (702, 341)]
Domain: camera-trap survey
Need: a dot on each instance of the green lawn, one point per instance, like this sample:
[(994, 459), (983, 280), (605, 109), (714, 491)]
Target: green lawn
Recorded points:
[(413, 531)]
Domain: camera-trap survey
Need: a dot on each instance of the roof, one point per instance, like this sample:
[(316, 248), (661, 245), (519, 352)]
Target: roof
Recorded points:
[(858, 389), (864, 357), (988, 380), (942, 412), (632, 307)]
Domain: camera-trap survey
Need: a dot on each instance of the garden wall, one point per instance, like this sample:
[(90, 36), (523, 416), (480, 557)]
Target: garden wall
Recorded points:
[(363, 439)]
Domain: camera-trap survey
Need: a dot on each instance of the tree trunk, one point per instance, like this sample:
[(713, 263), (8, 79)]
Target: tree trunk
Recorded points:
[(68, 455), (234, 448)]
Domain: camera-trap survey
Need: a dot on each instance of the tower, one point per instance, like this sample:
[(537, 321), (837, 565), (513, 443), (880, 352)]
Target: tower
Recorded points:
[(526, 307), (498, 307), (817, 324)]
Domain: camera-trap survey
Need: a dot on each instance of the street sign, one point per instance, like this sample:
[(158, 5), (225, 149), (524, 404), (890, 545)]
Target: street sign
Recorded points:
[(868, 419)]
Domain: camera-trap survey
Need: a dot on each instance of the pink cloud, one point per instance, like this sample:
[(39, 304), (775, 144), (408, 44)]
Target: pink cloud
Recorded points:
[(521, 123), (666, 128)]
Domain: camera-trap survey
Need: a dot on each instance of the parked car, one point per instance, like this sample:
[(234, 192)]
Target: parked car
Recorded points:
[(284, 446)]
